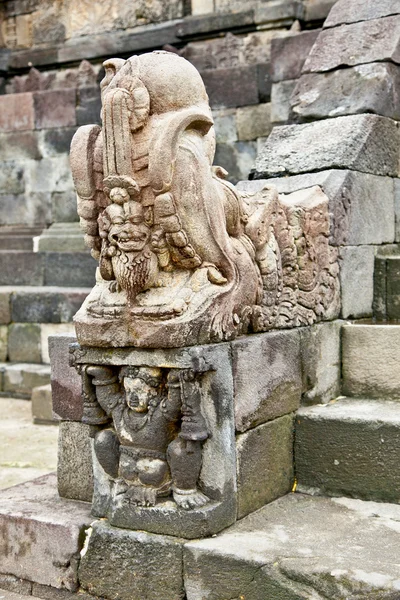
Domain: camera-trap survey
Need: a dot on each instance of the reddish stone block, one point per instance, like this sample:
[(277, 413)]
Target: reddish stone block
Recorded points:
[(55, 108), (16, 112)]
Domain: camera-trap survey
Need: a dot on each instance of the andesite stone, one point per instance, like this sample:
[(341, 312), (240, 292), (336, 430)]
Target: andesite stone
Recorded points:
[(317, 10), (356, 281), (360, 10), (242, 83), (281, 93), (44, 305), (289, 53), (253, 121), (3, 343), (16, 112), (24, 344), (41, 404), (66, 384), (5, 309), (74, 465), (55, 108), (19, 379)]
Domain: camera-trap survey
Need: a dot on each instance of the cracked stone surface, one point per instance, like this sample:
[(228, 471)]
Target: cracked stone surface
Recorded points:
[(301, 548)]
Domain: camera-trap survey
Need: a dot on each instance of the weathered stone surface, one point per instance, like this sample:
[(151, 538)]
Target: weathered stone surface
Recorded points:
[(264, 464), (55, 141), (225, 125), (88, 105), (393, 288), (360, 205), (42, 534), (62, 237), (21, 378), (299, 548), (3, 343), (5, 309), (379, 305), (370, 360), (51, 329), (276, 10), (79, 266), (45, 305), (321, 362), (214, 22), (360, 10), (16, 112), (281, 93), (74, 467), (356, 280), (289, 53), (397, 209), (12, 177), (21, 268), (63, 206), (370, 88), (237, 158), (49, 175), (152, 565), (41, 404), (19, 145), (66, 384), (266, 377), (355, 44), (202, 7), (350, 447), (15, 585), (366, 143), (242, 83), (253, 121), (31, 209), (24, 343), (317, 10), (55, 108), (264, 82)]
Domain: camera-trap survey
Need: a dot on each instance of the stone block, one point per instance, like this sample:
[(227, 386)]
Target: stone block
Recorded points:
[(367, 88), (153, 566), (360, 10), (366, 143), (64, 207), (253, 121), (242, 83), (12, 177), (46, 305), (276, 10), (355, 44), (42, 534), (264, 81), (41, 404), (360, 205), (3, 343), (55, 108), (397, 209), (379, 305), (281, 93), (19, 145), (62, 237), (30, 209), (393, 288), (66, 384), (74, 466), (202, 7), (266, 377), (237, 158), (15, 585), (349, 448), (88, 105), (51, 329), (356, 281), (24, 343), (5, 309), (16, 112), (80, 268), (370, 358), (264, 464), (214, 22), (289, 53), (321, 362), (316, 10), (225, 126), (50, 175), (53, 142), (297, 548), (20, 379)]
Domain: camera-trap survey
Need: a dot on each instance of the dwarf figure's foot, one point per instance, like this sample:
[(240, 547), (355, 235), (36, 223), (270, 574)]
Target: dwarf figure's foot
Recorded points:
[(189, 499), (120, 487), (141, 496)]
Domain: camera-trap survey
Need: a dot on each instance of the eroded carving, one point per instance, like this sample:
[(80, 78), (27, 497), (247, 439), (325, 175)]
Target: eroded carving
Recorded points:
[(184, 256)]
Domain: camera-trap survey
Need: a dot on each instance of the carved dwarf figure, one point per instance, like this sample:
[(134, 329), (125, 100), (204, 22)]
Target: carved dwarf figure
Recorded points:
[(154, 444)]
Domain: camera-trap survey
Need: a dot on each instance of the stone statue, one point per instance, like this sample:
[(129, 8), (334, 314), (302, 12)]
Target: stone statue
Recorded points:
[(184, 257)]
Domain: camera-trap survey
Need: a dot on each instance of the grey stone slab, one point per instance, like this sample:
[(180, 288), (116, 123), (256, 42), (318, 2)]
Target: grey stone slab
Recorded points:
[(66, 384), (350, 448), (196, 25), (266, 377), (393, 288), (299, 548), (317, 10), (24, 343), (12, 178), (20, 145), (360, 10), (397, 209), (69, 269), (3, 343), (237, 158), (361, 205), (74, 466), (63, 206), (29, 209), (321, 362), (88, 105), (366, 143), (264, 464), (55, 141), (21, 378), (289, 53), (42, 405), (5, 312), (371, 88), (276, 10), (15, 585), (225, 125), (356, 276), (62, 237), (355, 44), (21, 268), (264, 81), (152, 565), (42, 534), (253, 121), (280, 100), (370, 359), (242, 83), (46, 304), (379, 305)]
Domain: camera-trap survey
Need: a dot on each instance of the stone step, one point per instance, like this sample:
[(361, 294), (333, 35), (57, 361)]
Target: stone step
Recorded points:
[(349, 447), (371, 360), (42, 409), (301, 548), (387, 284), (64, 269), (18, 237), (18, 379)]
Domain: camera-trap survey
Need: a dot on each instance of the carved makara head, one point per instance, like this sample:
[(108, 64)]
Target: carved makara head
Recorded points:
[(142, 385)]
